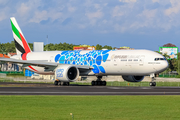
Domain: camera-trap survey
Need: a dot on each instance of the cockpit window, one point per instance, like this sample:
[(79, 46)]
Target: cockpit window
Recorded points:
[(157, 59)]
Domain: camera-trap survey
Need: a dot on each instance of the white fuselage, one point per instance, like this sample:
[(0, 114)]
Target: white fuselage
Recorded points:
[(114, 62)]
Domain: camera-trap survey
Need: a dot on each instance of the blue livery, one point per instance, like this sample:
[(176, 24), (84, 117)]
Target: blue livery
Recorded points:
[(92, 58)]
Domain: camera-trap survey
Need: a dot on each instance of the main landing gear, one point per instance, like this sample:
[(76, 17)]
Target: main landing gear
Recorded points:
[(98, 82), (152, 83), (61, 83)]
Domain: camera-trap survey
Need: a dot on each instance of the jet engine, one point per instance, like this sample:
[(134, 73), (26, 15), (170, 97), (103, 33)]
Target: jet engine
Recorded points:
[(67, 73), (131, 78)]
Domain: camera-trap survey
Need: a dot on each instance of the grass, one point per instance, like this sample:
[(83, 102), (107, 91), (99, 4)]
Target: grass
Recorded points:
[(113, 83), (137, 84), (89, 107), (15, 74), (25, 81)]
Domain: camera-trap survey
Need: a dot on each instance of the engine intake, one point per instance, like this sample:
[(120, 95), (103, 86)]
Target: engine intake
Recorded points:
[(67, 73), (72, 73), (131, 78)]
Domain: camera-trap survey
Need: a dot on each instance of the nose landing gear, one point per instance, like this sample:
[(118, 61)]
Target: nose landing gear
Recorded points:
[(152, 83), (98, 82)]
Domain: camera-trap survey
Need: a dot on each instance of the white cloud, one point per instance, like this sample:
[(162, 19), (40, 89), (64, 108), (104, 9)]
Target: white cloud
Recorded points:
[(39, 16), (120, 28), (117, 11), (104, 21), (102, 16), (23, 9), (44, 15), (3, 13), (97, 6), (2, 2), (81, 26), (155, 1), (174, 9), (71, 9), (148, 14), (128, 1), (3, 16), (97, 14)]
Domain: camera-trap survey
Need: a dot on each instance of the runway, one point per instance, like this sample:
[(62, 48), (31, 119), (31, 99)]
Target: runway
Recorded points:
[(89, 90)]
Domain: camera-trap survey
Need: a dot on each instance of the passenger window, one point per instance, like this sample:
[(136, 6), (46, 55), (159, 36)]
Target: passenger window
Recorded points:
[(130, 60), (135, 59), (123, 60)]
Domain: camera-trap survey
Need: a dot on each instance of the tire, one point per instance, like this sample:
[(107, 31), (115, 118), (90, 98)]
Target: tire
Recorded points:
[(59, 83), (98, 82), (154, 83), (93, 83), (55, 82), (104, 83)]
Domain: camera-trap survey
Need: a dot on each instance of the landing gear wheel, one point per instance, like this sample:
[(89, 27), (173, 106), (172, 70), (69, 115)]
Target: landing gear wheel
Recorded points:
[(65, 83), (104, 83), (59, 82), (152, 83), (98, 82), (93, 83), (56, 82)]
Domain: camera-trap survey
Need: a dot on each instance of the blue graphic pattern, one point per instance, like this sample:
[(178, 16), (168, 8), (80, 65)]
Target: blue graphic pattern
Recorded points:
[(92, 58), (59, 72)]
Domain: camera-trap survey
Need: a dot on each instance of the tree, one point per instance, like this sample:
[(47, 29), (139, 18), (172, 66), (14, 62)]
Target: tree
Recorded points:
[(107, 47), (31, 45), (98, 47)]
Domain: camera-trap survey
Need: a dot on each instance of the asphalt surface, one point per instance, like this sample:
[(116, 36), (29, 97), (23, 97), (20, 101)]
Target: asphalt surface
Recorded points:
[(89, 90)]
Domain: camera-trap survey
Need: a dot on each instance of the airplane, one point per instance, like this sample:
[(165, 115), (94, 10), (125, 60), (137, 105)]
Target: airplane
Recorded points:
[(67, 66)]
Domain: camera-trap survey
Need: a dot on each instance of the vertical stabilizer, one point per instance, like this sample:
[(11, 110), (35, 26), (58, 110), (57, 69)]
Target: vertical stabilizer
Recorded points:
[(19, 39)]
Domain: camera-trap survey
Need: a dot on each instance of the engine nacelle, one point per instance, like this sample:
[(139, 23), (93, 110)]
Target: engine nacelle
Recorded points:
[(131, 78), (67, 73)]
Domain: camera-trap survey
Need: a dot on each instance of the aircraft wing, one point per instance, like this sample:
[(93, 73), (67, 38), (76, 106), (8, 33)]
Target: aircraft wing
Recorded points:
[(39, 63)]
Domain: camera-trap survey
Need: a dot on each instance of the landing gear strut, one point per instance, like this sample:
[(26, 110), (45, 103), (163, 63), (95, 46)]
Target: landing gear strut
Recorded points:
[(98, 82), (152, 83), (61, 83)]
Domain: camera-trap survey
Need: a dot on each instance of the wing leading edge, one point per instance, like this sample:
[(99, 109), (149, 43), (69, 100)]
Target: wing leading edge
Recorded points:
[(40, 63)]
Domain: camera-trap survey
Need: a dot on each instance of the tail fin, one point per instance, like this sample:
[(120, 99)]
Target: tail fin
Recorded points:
[(19, 39)]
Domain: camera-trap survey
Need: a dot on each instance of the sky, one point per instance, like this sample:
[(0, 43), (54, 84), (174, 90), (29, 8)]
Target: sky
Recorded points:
[(139, 24)]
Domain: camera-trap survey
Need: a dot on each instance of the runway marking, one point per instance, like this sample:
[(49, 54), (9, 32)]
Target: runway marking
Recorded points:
[(9, 92)]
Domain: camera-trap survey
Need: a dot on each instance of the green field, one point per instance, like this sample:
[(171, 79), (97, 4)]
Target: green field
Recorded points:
[(113, 83), (89, 107), (135, 84)]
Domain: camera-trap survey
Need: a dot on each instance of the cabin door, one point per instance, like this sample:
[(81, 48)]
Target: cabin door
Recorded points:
[(141, 61), (51, 59)]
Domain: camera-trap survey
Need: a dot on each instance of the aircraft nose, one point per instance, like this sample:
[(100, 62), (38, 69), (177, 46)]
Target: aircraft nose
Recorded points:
[(165, 65)]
